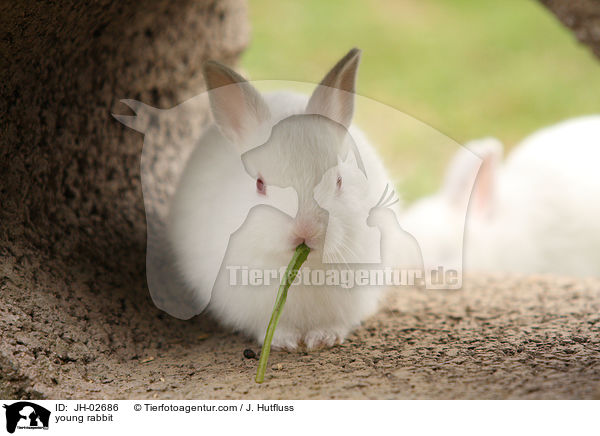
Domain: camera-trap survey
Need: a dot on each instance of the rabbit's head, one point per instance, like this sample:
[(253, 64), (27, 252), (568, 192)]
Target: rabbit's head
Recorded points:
[(296, 151)]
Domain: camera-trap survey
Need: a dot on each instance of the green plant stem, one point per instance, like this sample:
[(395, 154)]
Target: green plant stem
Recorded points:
[(298, 259)]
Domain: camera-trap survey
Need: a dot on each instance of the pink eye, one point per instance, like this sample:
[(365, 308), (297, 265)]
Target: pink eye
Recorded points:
[(339, 182), (261, 188)]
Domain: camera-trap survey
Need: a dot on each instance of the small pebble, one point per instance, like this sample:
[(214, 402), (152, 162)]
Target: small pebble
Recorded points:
[(249, 354), (277, 367)]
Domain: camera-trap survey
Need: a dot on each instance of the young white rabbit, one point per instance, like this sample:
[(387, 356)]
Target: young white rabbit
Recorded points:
[(538, 212), (284, 140)]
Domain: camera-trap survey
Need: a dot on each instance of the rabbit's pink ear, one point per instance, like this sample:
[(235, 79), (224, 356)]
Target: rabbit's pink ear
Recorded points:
[(334, 96), (237, 107), (472, 176)]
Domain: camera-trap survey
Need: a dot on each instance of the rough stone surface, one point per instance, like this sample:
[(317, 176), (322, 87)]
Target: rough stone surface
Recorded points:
[(499, 337), (582, 17), (72, 223)]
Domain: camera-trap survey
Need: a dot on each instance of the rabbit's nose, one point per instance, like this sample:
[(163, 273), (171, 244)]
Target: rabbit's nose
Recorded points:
[(306, 231)]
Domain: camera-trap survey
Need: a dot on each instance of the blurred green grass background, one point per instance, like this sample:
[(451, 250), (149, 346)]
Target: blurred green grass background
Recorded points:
[(468, 68)]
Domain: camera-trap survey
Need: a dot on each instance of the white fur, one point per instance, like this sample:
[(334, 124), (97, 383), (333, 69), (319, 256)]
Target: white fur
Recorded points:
[(539, 214), (301, 148)]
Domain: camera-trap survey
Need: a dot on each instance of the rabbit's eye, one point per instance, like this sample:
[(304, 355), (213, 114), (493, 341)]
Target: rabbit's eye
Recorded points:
[(339, 182), (261, 188)]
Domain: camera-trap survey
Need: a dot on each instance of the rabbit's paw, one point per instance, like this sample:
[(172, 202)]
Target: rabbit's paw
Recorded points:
[(286, 340), (322, 339)]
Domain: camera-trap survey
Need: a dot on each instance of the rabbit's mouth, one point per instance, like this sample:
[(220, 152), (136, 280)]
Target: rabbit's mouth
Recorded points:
[(312, 242), (297, 240)]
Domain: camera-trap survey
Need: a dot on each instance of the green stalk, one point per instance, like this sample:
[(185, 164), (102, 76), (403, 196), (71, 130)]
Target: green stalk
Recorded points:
[(298, 259)]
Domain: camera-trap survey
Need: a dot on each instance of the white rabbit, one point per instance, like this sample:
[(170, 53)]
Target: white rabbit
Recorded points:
[(538, 212), (284, 140)]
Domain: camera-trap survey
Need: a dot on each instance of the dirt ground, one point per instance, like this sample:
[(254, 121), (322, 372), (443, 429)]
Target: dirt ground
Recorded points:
[(499, 337)]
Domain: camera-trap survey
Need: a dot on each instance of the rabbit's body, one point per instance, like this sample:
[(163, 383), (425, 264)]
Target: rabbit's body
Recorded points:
[(314, 315), (302, 143), (538, 212)]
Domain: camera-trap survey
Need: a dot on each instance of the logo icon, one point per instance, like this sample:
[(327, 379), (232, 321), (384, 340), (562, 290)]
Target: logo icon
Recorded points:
[(26, 415)]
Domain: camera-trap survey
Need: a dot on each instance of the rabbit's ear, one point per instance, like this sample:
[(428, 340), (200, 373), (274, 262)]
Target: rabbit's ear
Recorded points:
[(334, 96), (237, 107), (473, 174)]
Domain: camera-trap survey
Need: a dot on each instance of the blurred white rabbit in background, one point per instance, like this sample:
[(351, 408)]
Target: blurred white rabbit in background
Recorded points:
[(536, 212)]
